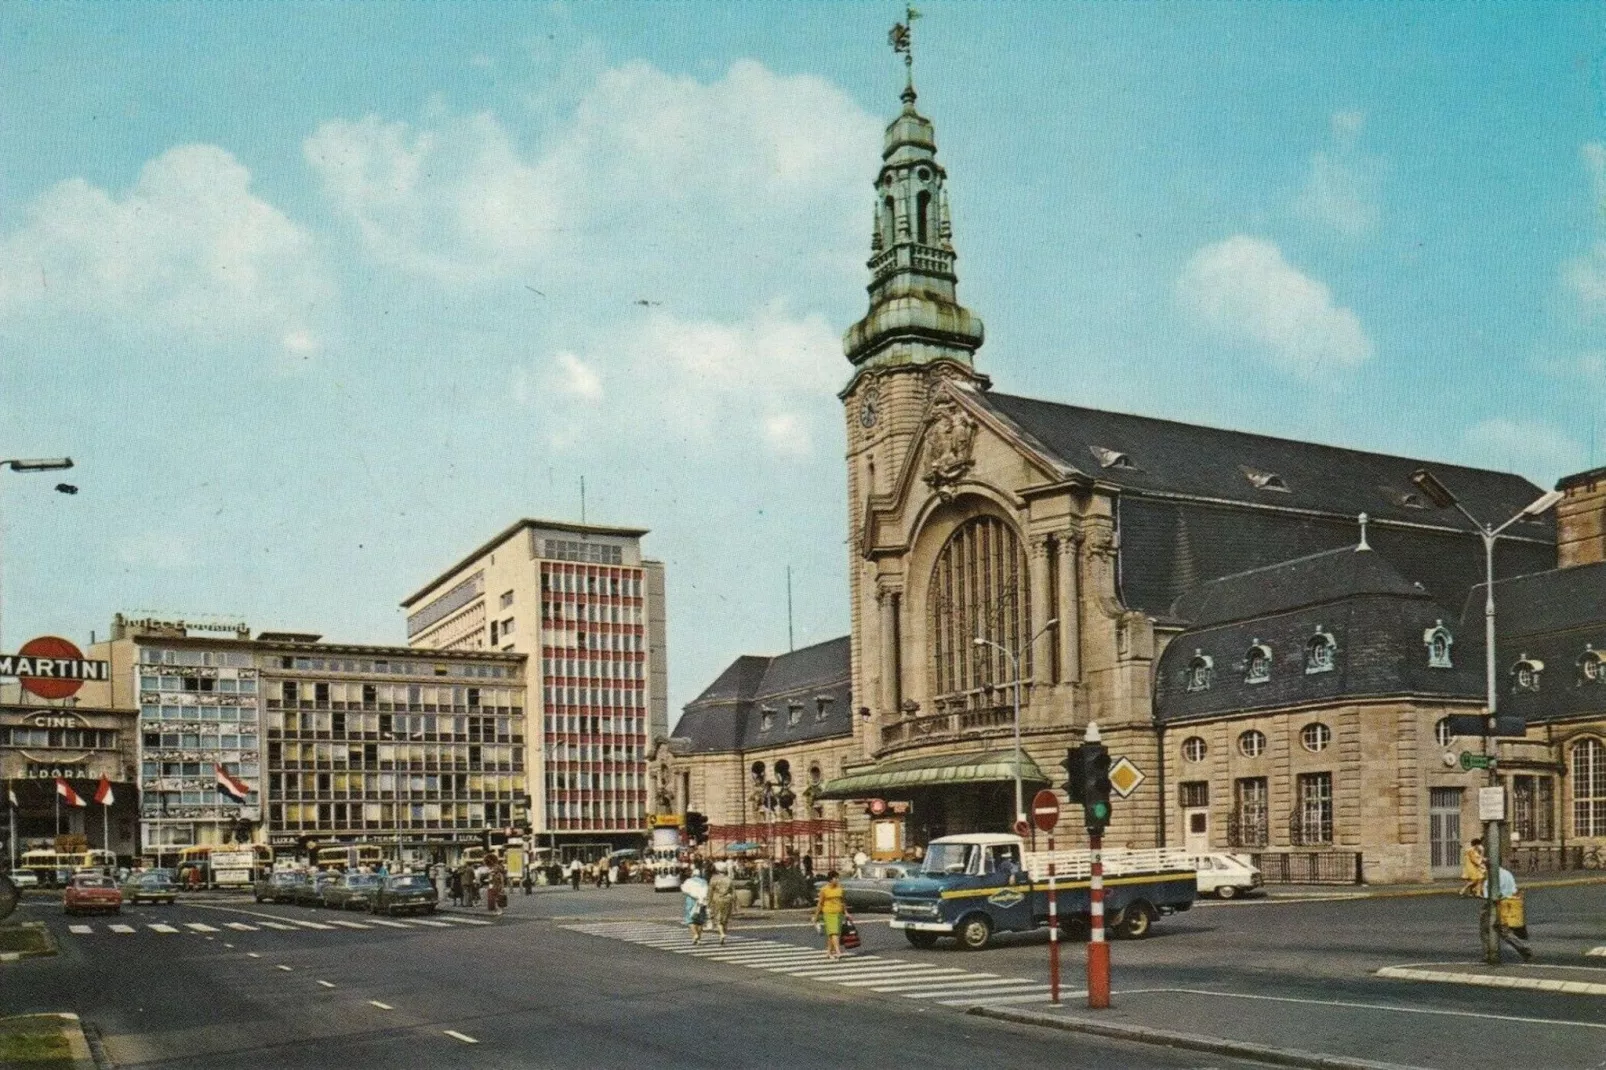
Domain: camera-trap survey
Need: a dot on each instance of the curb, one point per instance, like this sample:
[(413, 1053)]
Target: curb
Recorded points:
[(1339, 892), (72, 1031), (1189, 1041), (51, 947)]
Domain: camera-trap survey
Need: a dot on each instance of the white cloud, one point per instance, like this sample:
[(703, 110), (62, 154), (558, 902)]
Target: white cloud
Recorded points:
[(1536, 450), (1584, 277), (1243, 290), (647, 167), (1342, 182), (189, 250), (673, 381)]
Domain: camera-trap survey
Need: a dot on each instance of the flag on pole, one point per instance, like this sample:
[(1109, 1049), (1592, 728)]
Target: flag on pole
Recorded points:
[(233, 786), (103, 793), (64, 789)]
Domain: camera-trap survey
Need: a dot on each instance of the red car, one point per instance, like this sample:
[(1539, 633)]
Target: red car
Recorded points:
[(86, 893)]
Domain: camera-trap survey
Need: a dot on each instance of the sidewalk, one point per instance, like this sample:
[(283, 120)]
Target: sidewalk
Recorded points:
[(1309, 892)]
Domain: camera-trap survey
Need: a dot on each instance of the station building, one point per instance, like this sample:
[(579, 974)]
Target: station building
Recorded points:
[(1273, 633), (587, 609)]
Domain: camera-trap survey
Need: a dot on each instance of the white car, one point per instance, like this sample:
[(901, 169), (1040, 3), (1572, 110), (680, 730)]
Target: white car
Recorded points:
[(1227, 875), (21, 878)]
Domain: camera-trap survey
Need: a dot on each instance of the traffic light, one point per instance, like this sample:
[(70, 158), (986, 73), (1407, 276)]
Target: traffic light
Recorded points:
[(1095, 798), (1073, 774), (696, 827)]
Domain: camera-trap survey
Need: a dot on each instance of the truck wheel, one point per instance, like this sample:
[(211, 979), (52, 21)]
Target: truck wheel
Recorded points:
[(1226, 891), (924, 941), (1136, 921), (974, 932)]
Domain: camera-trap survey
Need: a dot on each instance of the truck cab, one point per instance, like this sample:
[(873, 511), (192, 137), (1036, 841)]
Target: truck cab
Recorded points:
[(971, 886)]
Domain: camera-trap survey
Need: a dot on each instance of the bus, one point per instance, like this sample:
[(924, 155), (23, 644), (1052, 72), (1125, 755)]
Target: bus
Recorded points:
[(223, 865), (54, 867), (351, 857)]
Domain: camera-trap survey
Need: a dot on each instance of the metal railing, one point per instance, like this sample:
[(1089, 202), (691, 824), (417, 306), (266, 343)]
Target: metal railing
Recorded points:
[(1308, 867)]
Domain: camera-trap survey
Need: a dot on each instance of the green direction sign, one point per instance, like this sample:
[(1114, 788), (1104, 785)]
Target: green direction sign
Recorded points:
[(1474, 761)]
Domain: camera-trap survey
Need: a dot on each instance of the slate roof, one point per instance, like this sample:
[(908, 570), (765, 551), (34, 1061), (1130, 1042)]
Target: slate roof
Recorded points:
[(1189, 508), (1551, 617), (1377, 618), (728, 716)]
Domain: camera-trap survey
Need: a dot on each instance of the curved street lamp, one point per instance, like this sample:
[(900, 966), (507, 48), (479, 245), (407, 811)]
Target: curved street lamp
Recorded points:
[(39, 464), (1014, 661)]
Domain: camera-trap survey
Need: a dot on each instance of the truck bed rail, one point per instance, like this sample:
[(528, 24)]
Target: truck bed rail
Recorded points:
[(1078, 865)]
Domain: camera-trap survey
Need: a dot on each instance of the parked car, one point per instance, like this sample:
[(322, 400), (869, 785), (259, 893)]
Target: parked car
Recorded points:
[(871, 887), (150, 887), (350, 892), (279, 887), (22, 878), (88, 893), (1227, 875), (405, 892), (310, 894)]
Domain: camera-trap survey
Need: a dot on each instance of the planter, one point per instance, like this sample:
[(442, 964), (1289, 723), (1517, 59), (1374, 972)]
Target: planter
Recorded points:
[(745, 895)]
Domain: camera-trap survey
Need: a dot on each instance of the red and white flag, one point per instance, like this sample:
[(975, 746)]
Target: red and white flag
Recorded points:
[(64, 789), (103, 793), (234, 786)]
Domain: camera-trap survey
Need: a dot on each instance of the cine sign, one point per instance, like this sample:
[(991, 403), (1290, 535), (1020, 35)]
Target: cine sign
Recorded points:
[(51, 667)]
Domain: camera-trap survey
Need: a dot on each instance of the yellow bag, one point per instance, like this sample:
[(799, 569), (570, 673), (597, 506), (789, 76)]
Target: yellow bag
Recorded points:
[(1510, 911)]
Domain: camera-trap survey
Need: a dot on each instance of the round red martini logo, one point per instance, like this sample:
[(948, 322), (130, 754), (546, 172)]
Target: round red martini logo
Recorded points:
[(60, 661)]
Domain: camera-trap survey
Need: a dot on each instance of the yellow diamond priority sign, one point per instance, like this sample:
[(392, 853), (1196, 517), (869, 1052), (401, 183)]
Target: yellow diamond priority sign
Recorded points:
[(1125, 777)]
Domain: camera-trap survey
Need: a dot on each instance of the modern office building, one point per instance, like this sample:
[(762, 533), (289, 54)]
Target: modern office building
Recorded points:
[(336, 743), (588, 610)]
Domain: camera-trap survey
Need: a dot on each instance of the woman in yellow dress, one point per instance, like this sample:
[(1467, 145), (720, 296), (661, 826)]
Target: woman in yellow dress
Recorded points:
[(1474, 868), (828, 914)]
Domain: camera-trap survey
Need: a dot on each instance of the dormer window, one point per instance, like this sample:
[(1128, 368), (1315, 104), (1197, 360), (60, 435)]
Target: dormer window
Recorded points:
[(1592, 666), (1525, 674), (822, 706), (1257, 664), (1405, 499), (1438, 640), (1320, 652), (1109, 458), (1264, 480), (1201, 672), (794, 712), (766, 719)]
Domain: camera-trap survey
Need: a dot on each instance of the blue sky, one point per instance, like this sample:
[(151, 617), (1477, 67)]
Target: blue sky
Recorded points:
[(320, 296)]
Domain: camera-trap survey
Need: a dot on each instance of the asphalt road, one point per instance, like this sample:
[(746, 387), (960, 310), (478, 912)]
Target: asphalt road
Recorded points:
[(237, 984)]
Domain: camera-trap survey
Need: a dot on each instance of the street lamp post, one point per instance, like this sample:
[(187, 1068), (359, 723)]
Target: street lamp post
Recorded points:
[(1014, 662), (39, 464), (1441, 496)]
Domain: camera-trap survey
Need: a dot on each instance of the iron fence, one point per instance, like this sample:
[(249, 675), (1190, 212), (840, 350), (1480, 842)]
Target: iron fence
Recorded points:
[(1308, 867)]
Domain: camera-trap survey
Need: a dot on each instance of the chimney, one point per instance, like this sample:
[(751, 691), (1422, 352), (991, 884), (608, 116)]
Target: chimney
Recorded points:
[(1581, 519)]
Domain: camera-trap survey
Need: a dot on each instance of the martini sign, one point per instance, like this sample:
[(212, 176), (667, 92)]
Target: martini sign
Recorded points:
[(52, 667)]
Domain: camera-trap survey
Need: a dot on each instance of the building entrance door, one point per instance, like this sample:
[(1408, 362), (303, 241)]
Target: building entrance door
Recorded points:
[(1196, 826), (1444, 831)]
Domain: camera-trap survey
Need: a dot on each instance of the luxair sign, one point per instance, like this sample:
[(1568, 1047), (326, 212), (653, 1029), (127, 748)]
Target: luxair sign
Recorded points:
[(51, 667)]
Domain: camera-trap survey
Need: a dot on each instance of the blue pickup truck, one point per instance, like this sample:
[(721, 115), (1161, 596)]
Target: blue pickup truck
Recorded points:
[(974, 885)]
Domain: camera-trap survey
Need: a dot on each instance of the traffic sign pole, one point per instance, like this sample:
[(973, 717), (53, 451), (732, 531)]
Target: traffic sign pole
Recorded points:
[(1098, 949), (1053, 930)]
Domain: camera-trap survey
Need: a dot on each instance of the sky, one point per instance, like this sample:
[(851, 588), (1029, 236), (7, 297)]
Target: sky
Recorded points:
[(319, 297)]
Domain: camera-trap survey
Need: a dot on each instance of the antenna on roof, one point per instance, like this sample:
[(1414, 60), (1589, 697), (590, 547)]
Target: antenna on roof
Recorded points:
[(1363, 544)]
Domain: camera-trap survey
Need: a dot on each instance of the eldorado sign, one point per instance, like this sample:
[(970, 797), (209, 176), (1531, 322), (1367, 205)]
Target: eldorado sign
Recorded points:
[(51, 667)]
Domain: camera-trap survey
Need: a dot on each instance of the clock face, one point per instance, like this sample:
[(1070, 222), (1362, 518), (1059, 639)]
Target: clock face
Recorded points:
[(869, 408)]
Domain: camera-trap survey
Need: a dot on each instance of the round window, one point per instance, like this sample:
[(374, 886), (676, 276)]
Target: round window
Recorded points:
[(1194, 749), (1252, 744), (1315, 737)]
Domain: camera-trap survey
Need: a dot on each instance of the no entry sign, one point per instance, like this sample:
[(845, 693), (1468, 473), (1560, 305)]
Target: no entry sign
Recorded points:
[(1045, 810)]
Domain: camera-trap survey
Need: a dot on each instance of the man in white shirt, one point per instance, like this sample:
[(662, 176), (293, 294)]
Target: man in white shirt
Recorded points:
[(1501, 931)]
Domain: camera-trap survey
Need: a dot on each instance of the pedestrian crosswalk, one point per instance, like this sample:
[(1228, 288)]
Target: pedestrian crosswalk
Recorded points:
[(260, 923), (932, 981)]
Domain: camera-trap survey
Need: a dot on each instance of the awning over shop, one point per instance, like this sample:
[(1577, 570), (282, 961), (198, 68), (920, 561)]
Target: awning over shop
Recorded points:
[(897, 779)]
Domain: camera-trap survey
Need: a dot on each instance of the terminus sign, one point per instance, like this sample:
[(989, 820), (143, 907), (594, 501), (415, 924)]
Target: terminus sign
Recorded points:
[(51, 667)]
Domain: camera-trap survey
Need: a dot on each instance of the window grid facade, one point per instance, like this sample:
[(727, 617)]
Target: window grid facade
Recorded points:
[(1589, 787), (979, 589), (1313, 819), (594, 695)]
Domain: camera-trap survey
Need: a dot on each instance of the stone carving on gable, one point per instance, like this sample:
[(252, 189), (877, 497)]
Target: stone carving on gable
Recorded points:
[(951, 446)]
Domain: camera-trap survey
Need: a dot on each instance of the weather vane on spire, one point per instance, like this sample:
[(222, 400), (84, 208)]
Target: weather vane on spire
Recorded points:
[(901, 38)]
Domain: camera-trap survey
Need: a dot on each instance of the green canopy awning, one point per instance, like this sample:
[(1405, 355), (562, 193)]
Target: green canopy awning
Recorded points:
[(899, 778)]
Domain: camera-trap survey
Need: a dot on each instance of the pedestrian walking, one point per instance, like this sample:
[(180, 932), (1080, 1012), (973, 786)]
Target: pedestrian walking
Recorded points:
[(1474, 868), (695, 890), (574, 873), (1508, 923), (471, 885), (808, 867), (454, 887), (829, 911), (496, 898), (721, 898)]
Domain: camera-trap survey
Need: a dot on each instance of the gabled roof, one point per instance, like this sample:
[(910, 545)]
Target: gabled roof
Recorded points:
[(1142, 454), (1307, 581), (1556, 600), (729, 715), (1553, 618)]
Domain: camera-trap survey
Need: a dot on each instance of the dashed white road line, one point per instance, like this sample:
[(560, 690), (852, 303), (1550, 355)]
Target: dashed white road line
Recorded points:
[(81, 930), (464, 921), (437, 925), (200, 927), (381, 1006), (280, 926), (465, 1038), (286, 969), (240, 926), (252, 955), (1596, 951), (123, 929), (347, 924), (161, 928), (326, 984), (388, 923)]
